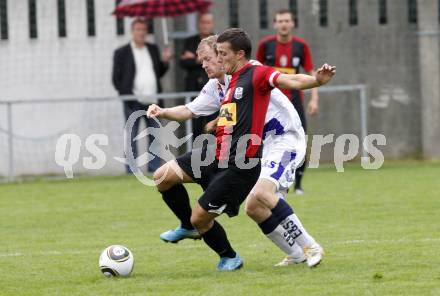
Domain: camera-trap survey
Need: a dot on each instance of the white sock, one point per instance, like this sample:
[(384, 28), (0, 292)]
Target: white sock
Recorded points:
[(295, 228), (282, 194), (285, 242)]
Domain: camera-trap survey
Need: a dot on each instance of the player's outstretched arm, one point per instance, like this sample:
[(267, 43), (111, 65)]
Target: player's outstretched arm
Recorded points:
[(301, 81), (178, 113)]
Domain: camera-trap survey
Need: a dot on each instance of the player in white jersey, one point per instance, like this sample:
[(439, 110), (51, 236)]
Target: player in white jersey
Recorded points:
[(284, 150)]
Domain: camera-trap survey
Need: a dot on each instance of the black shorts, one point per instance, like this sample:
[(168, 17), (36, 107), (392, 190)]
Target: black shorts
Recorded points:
[(225, 189), (206, 172)]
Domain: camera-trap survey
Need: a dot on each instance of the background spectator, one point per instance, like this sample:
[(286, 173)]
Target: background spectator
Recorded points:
[(137, 68), (196, 76), (289, 53)]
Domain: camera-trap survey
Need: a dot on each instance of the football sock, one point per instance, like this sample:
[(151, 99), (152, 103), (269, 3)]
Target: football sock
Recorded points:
[(282, 194), (292, 224), (177, 200), (217, 240), (299, 233), (272, 228)]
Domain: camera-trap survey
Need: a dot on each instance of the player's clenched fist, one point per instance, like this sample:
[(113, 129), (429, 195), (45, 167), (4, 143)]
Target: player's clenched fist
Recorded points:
[(211, 126), (325, 73), (154, 111)]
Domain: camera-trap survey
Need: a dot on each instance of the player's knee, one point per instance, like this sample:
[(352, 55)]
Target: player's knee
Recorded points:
[(260, 195), (162, 179), (200, 223), (250, 211), (157, 177), (197, 222), (158, 174)]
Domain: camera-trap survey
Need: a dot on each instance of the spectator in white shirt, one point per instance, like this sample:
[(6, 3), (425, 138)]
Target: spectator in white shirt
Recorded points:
[(137, 69)]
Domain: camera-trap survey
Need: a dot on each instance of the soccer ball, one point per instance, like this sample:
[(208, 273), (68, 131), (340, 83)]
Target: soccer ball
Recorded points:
[(116, 261)]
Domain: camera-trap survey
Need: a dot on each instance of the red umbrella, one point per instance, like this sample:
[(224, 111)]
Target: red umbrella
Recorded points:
[(160, 8)]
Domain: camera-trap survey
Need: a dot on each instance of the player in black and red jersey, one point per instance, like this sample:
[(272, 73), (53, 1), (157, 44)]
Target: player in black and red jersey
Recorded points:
[(288, 54), (230, 178)]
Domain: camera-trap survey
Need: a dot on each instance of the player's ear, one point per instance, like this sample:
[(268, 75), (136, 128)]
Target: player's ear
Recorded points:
[(241, 54), (274, 21)]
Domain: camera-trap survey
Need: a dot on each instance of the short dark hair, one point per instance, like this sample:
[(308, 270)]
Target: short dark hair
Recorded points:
[(139, 20), (199, 16), (238, 39), (283, 11)]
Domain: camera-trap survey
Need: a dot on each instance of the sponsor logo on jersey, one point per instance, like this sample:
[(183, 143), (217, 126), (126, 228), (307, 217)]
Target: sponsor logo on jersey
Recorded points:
[(228, 115), (283, 60), (238, 94), (295, 61)]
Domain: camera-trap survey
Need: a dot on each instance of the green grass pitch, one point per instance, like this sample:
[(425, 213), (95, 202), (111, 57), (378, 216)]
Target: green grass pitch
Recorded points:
[(380, 230)]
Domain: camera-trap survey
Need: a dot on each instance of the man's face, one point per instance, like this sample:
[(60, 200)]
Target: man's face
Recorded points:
[(227, 57), (210, 64), (139, 32), (206, 24), (283, 24)]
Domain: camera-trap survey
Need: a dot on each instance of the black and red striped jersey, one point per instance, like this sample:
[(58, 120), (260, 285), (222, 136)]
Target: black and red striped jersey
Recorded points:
[(243, 113), (286, 57)]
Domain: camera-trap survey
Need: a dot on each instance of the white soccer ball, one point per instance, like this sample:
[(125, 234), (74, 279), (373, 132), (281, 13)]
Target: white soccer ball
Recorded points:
[(116, 260)]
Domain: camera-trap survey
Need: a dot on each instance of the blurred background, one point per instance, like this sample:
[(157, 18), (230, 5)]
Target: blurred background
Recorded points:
[(56, 60)]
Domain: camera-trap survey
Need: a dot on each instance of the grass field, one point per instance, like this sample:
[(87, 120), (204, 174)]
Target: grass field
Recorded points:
[(380, 230)]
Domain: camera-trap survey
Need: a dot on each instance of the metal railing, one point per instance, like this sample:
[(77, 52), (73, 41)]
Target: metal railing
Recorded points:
[(187, 96)]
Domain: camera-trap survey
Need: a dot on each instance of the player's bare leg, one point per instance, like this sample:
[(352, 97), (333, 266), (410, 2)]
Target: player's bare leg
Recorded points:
[(215, 237), (278, 222), (170, 174), (169, 178)]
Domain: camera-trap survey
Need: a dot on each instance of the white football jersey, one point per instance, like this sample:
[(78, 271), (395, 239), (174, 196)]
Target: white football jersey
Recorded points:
[(281, 116)]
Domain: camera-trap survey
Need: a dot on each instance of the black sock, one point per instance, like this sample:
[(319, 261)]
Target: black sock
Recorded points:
[(269, 225), (282, 210), (177, 200), (217, 240)]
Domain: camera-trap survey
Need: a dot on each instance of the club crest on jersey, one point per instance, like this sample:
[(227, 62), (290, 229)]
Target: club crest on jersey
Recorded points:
[(295, 61), (283, 61), (238, 94)]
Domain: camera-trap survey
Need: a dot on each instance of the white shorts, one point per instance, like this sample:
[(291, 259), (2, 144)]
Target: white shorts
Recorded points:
[(282, 155)]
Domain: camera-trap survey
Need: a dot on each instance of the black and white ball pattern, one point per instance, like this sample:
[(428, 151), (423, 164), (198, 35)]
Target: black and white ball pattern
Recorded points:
[(116, 260)]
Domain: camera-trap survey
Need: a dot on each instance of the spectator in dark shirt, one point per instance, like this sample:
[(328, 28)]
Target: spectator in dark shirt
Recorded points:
[(288, 54), (196, 77), (137, 69)]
